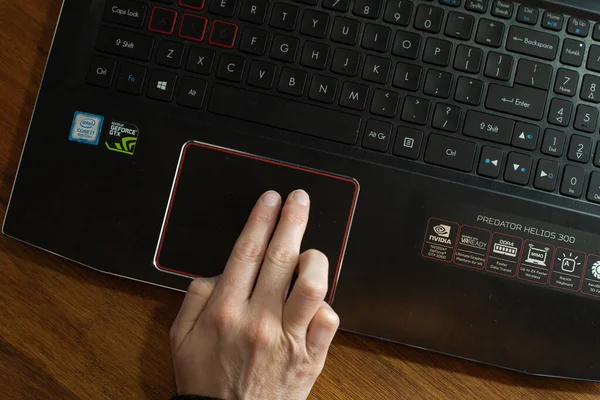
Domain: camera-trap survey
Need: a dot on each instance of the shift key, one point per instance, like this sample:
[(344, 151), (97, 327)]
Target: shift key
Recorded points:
[(519, 100), (125, 43)]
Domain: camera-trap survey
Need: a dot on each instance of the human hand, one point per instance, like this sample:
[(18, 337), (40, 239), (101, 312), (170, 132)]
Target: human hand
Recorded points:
[(233, 340)]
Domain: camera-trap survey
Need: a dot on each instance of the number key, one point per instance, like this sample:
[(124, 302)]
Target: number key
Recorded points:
[(398, 12), (566, 82), (572, 183), (589, 88), (586, 118), (554, 142), (429, 18), (367, 8), (580, 149), (560, 112)]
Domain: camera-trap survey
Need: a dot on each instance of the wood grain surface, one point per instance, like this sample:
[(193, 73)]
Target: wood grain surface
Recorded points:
[(68, 332)]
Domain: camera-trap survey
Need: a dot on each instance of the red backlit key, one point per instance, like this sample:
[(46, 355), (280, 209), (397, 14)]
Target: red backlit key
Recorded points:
[(223, 34), (162, 20), (193, 27), (193, 4)]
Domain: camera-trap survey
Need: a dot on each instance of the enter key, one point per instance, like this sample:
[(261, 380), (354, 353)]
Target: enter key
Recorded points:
[(519, 100)]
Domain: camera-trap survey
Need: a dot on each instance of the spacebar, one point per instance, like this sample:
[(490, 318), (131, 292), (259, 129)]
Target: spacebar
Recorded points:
[(286, 114)]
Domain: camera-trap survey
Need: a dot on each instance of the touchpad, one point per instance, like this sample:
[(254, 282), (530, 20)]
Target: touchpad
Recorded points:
[(214, 191)]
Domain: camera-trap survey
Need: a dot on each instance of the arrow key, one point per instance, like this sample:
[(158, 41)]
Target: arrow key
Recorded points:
[(546, 175), (490, 162), (525, 136), (518, 168)]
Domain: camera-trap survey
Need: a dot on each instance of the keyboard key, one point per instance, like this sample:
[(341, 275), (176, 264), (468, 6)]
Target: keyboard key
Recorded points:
[(490, 162), (376, 37), (284, 48), (162, 20), (478, 6), (459, 25), (193, 27), (438, 84), (315, 55), (406, 45), (468, 91), (336, 5), (546, 176), (131, 78), (518, 168), (161, 85), (292, 81), (193, 4), (580, 149), (231, 67), (468, 59), (385, 103), (593, 63), (254, 11), (593, 193), (450, 152), (503, 9), (125, 43), (261, 75), (429, 19), (170, 54), (345, 31), (552, 21), (345, 62), (519, 100), (534, 74), (578, 27), (488, 127), (223, 34), (596, 32), (407, 76), (446, 117), (499, 66), (200, 61), (376, 69), (532, 43), (367, 8), (416, 110), (408, 143), (311, 2), (452, 3), (314, 24), (323, 89), (192, 92), (528, 15), (224, 8), (284, 16), (282, 113), (354, 96), (553, 143), (377, 135), (586, 118), (572, 52), (567, 82), (101, 71), (490, 33), (572, 182), (560, 112), (525, 136), (596, 159), (437, 52), (398, 12), (125, 12), (589, 88), (254, 41)]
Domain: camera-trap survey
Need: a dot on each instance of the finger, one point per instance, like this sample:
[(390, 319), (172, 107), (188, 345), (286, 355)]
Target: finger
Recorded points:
[(321, 331), (248, 252), (282, 255), (308, 292), (193, 304)]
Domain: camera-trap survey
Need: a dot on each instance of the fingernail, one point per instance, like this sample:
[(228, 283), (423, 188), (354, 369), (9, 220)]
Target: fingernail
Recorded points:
[(300, 197), (270, 198)]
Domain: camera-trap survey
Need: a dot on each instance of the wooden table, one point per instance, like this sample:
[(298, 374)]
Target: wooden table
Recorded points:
[(67, 332)]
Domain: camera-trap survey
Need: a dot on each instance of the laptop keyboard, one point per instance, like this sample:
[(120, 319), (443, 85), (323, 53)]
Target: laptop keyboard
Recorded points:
[(494, 88)]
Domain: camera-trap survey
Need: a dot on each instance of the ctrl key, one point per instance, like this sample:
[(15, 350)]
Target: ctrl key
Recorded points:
[(102, 71), (450, 152)]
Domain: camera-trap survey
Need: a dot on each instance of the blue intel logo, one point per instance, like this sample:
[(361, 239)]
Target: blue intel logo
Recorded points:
[(86, 128), (87, 123)]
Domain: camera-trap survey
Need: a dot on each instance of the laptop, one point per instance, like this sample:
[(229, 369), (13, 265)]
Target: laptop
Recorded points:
[(450, 148)]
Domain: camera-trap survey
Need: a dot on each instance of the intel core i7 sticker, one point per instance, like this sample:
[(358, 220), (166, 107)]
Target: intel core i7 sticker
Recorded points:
[(440, 239), (86, 128), (122, 137)]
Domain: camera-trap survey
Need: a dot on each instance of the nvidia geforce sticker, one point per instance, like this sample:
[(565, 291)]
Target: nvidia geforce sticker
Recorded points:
[(122, 137)]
